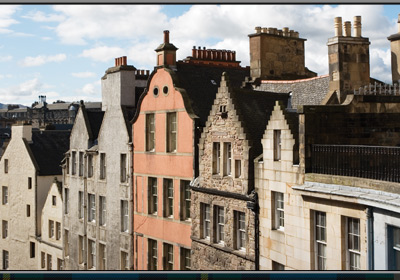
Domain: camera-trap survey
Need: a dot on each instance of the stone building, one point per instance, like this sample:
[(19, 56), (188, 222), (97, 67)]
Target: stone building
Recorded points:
[(27, 170), (166, 129), (50, 244), (225, 210), (98, 177)]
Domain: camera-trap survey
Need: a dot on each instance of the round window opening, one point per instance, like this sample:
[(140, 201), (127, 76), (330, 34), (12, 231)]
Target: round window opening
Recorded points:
[(165, 90), (155, 91)]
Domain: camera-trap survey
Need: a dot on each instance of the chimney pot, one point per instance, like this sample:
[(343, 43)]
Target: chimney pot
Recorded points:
[(338, 26), (357, 26), (124, 60), (116, 62), (285, 31), (264, 30), (166, 36), (258, 29), (347, 29)]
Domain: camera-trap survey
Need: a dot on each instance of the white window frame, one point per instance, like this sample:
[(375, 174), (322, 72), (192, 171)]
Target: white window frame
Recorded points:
[(277, 145), (103, 166), (81, 164), (320, 240), (81, 202), (168, 256), (58, 231), (353, 240), (153, 195), (168, 198), (186, 200), (51, 229), (73, 171), (102, 256), (186, 261), (90, 166), (102, 210), (216, 158), (279, 210), (206, 220), (172, 132), (152, 254), (124, 260), (219, 213), (92, 208), (92, 254), (124, 216), (227, 159), (240, 226), (150, 132)]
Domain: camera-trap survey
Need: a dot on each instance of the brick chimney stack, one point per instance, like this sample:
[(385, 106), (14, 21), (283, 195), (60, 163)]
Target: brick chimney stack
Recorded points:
[(121, 61)]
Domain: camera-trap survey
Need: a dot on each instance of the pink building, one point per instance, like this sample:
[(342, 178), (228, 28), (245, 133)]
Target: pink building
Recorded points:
[(166, 128)]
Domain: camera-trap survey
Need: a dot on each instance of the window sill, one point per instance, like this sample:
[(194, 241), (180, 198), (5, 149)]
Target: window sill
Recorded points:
[(281, 230)]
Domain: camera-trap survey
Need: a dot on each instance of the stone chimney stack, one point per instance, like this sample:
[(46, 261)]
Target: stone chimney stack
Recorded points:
[(23, 131), (118, 85), (348, 60), (166, 53), (395, 53)]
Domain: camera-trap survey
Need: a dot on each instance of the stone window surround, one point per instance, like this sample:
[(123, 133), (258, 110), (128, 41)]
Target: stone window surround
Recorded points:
[(4, 195), (4, 229), (103, 166), (124, 260), (90, 167), (223, 158), (219, 222), (276, 224), (124, 216), (73, 163), (91, 202), (102, 210), (91, 254)]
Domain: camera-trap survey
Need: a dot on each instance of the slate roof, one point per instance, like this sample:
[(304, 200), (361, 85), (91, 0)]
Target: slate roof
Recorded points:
[(254, 109), (47, 150), (94, 119), (201, 84)]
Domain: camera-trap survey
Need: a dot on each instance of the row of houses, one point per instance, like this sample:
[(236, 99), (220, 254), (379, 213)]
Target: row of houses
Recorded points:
[(207, 165)]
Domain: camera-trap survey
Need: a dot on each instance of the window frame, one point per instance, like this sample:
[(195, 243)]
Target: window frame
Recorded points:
[(4, 229), (123, 169), (172, 132), (168, 188), (319, 243), (205, 218), (91, 254), (102, 256), (185, 254), (6, 165), (124, 260), (73, 165), (102, 210), (81, 205), (153, 195), (152, 251), (353, 255), (5, 195), (6, 260), (240, 243), (66, 204), (186, 200), (227, 158), (81, 164), (51, 229), (279, 210), (58, 230), (216, 158), (277, 144), (150, 129), (90, 166), (124, 216), (219, 221), (103, 166), (168, 251), (91, 208)]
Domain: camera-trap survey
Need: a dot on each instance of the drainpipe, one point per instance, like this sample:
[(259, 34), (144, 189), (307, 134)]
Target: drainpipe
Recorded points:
[(131, 201), (370, 237), (85, 221), (253, 205)]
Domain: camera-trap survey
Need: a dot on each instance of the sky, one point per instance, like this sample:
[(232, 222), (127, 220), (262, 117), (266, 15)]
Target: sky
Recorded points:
[(62, 51)]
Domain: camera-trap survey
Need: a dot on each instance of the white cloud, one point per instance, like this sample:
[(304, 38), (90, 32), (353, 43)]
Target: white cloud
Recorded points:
[(39, 16), (5, 58), (6, 20), (84, 74), (91, 89), (8, 76), (42, 59), (86, 22), (103, 53)]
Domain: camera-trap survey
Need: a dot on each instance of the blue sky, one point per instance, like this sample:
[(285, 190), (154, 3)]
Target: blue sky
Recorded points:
[(62, 51)]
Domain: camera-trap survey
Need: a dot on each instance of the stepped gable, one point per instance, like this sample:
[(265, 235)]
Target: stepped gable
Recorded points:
[(201, 83)]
